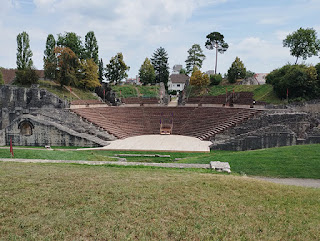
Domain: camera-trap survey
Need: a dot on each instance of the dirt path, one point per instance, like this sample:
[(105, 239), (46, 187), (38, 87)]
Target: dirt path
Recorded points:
[(119, 163), (302, 182)]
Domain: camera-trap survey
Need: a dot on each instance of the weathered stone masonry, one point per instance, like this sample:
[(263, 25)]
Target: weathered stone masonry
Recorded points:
[(36, 117)]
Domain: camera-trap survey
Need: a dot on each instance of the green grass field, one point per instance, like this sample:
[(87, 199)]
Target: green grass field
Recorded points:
[(64, 93), (72, 202), (293, 161), (261, 92), (136, 90)]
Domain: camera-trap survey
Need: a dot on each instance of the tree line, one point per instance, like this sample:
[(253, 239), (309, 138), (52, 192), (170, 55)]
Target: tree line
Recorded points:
[(70, 62)]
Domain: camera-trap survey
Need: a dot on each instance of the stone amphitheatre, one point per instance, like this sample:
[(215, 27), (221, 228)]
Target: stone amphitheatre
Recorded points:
[(36, 117)]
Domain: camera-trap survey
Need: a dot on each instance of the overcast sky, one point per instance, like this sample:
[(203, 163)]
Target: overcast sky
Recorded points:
[(254, 29)]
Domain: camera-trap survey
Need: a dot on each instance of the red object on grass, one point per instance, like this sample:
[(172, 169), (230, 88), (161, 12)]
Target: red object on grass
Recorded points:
[(11, 148)]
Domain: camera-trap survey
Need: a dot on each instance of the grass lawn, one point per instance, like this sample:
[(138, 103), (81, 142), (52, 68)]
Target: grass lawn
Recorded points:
[(136, 90), (261, 92), (72, 202), (293, 161), (63, 93)]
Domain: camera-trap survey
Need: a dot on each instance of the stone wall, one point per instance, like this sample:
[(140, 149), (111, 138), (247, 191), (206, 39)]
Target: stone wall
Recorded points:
[(51, 123), (41, 132), (271, 129), (25, 98)]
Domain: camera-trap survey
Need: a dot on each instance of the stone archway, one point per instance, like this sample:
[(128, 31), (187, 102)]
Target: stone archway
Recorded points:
[(26, 128)]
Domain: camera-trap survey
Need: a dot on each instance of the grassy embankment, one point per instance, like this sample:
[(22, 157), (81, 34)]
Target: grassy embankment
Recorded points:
[(136, 91), (63, 93), (294, 161), (261, 92), (72, 202)]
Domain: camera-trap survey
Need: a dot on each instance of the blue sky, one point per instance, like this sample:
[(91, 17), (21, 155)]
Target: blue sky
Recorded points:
[(254, 29)]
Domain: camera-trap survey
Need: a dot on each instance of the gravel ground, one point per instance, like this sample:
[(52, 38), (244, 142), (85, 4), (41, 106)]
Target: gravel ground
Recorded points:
[(302, 182), (120, 163)]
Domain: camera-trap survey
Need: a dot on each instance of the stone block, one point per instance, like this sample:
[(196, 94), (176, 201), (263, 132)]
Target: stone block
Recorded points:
[(220, 166)]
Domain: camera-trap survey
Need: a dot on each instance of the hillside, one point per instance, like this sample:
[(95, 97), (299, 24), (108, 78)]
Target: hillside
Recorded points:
[(125, 91), (261, 92), (64, 93)]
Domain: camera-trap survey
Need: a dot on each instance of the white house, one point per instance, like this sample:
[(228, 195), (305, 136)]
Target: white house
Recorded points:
[(177, 82)]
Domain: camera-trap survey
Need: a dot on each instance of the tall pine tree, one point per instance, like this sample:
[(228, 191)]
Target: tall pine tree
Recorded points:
[(159, 61), (91, 47), (195, 58)]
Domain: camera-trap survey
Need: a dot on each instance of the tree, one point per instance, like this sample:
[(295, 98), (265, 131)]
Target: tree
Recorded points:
[(215, 40), (236, 71), (195, 58), (146, 72), (183, 71), (198, 78), (24, 53), (215, 79), (101, 70), (1, 78), (91, 47), (159, 61), (26, 76), (303, 43), (68, 66), (90, 77), (116, 70), (299, 80), (72, 41), (49, 58)]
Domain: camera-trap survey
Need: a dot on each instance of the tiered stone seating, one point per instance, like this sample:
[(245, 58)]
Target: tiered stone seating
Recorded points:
[(240, 98), (200, 122), (140, 100), (86, 102)]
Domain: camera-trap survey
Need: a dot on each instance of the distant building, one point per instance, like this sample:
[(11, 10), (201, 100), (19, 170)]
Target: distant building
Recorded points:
[(210, 72), (257, 79), (10, 74), (177, 82), (133, 80), (261, 78), (176, 69)]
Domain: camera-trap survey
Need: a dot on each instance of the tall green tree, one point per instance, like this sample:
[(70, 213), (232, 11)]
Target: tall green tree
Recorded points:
[(215, 40), (89, 74), (91, 47), (24, 53), (146, 72), (101, 70), (68, 66), (49, 58), (117, 69), (303, 43), (72, 41), (159, 61), (236, 71), (195, 58)]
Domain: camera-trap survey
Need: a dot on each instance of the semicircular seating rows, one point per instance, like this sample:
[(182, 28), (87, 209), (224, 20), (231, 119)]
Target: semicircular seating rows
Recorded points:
[(200, 122)]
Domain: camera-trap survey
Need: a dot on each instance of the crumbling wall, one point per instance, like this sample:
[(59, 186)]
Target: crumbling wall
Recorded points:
[(43, 132), (271, 129)]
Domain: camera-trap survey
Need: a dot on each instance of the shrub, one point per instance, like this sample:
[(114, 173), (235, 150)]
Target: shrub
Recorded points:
[(26, 76), (215, 79), (299, 80)]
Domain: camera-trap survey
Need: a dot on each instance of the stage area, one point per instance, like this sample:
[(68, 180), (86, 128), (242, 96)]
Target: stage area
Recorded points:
[(159, 143)]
